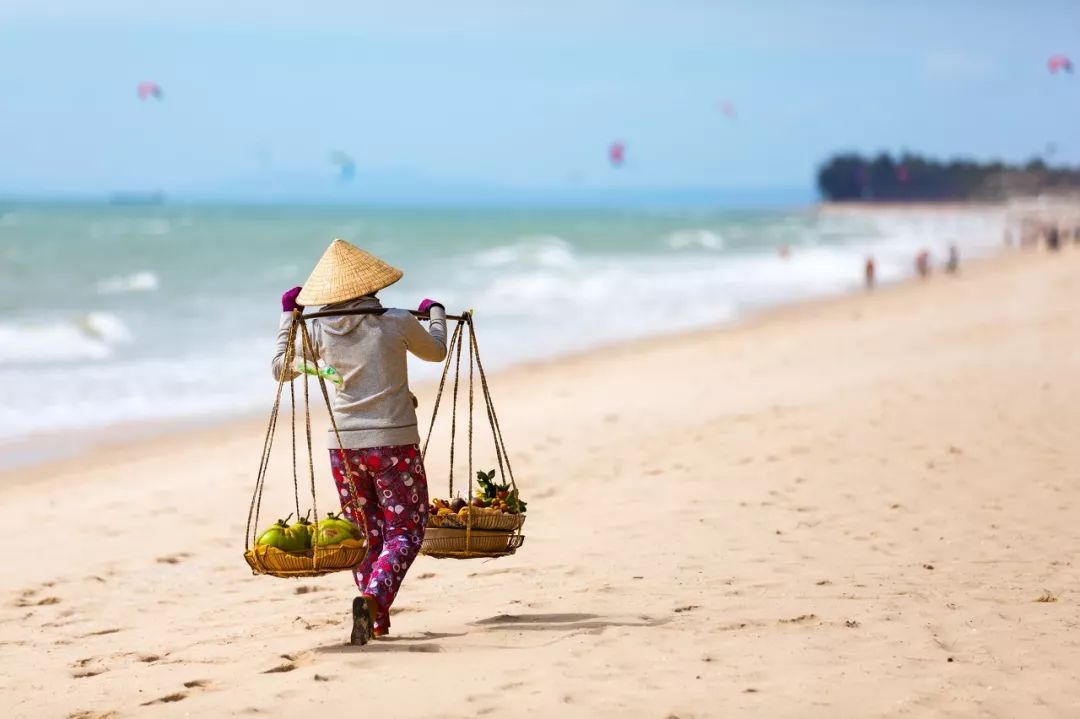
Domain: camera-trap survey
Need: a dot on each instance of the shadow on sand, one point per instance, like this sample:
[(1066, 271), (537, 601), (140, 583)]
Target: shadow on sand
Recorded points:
[(569, 622), (562, 622), (395, 643)]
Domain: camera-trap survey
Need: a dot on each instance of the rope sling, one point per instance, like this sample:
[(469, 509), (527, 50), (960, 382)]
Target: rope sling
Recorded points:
[(465, 535), (471, 533)]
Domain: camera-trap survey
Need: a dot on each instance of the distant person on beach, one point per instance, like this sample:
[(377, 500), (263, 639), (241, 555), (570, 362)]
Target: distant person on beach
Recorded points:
[(952, 265), (374, 415), (922, 264), (1053, 238), (869, 273)]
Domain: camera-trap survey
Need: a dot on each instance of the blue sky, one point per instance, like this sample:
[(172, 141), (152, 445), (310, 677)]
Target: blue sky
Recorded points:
[(463, 97)]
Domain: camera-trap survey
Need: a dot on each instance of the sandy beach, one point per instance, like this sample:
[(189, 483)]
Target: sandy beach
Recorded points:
[(857, 507)]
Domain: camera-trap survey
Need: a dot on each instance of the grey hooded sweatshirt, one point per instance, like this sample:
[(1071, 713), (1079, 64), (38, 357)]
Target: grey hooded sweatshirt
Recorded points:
[(373, 407)]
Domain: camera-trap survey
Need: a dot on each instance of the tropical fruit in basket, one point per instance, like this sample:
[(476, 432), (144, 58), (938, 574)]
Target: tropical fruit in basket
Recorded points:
[(279, 536), (500, 496), (274, 535), (334, 530), (490, 498), (303, 528), (284, 537)]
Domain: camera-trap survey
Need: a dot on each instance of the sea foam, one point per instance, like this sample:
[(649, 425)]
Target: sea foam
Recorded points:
[(144, 281), (92, 336)]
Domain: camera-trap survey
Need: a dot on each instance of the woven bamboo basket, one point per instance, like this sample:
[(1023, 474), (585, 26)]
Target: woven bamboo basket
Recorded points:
[(443, 543), (312, 563), (480, 520)]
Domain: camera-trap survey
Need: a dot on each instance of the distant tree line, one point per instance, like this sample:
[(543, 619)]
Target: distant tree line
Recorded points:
[(912, 178)]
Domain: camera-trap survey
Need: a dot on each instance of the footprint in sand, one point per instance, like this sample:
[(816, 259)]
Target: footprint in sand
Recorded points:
[(179, 696), (167, 699), (92, 715), (87, 673), (291, 663), (799, 619), (281, 668), (319, 623), (173, 558), (27, 601)]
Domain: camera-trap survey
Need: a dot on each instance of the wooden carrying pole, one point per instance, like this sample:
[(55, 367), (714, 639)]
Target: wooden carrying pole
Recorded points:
[(376, 311)]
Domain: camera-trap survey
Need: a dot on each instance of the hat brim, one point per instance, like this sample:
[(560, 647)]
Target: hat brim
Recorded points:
[(345, 272)]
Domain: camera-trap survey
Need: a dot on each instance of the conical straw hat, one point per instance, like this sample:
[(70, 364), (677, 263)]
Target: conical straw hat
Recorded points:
[(345, 272)]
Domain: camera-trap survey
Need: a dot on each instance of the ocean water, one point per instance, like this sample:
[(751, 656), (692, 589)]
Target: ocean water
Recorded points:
[(121, 314)]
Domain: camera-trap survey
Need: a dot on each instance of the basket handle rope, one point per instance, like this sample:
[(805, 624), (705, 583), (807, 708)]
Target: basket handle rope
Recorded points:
[(292, 418), (354, 496), (469, 514), (471, 360), (453, 354), (268, 440), (453, 418), (454, 339), (308, 350), (493, 419)]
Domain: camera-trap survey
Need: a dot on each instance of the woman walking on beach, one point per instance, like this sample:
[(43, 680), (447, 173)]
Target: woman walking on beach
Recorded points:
[(374, 412)]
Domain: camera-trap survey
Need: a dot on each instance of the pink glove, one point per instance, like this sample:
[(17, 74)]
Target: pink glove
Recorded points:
[(427, 304), (288, 300)]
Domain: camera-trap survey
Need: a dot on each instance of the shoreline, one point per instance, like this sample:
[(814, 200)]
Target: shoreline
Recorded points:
[(32, 453), (682, 269)]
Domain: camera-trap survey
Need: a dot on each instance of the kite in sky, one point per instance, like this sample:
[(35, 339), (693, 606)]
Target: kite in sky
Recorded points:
[(1057, 63), (147, 90), (345, 164), (617, 153)]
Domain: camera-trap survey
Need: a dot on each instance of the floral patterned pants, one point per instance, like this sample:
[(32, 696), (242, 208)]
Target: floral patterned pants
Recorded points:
[(393, 499)]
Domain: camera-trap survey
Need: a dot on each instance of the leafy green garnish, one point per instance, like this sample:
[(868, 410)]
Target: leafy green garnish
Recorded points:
[(491, 490), (486, 480), (514, 502)]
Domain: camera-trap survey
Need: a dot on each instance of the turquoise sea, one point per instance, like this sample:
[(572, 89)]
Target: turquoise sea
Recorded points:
[(117, 314)]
